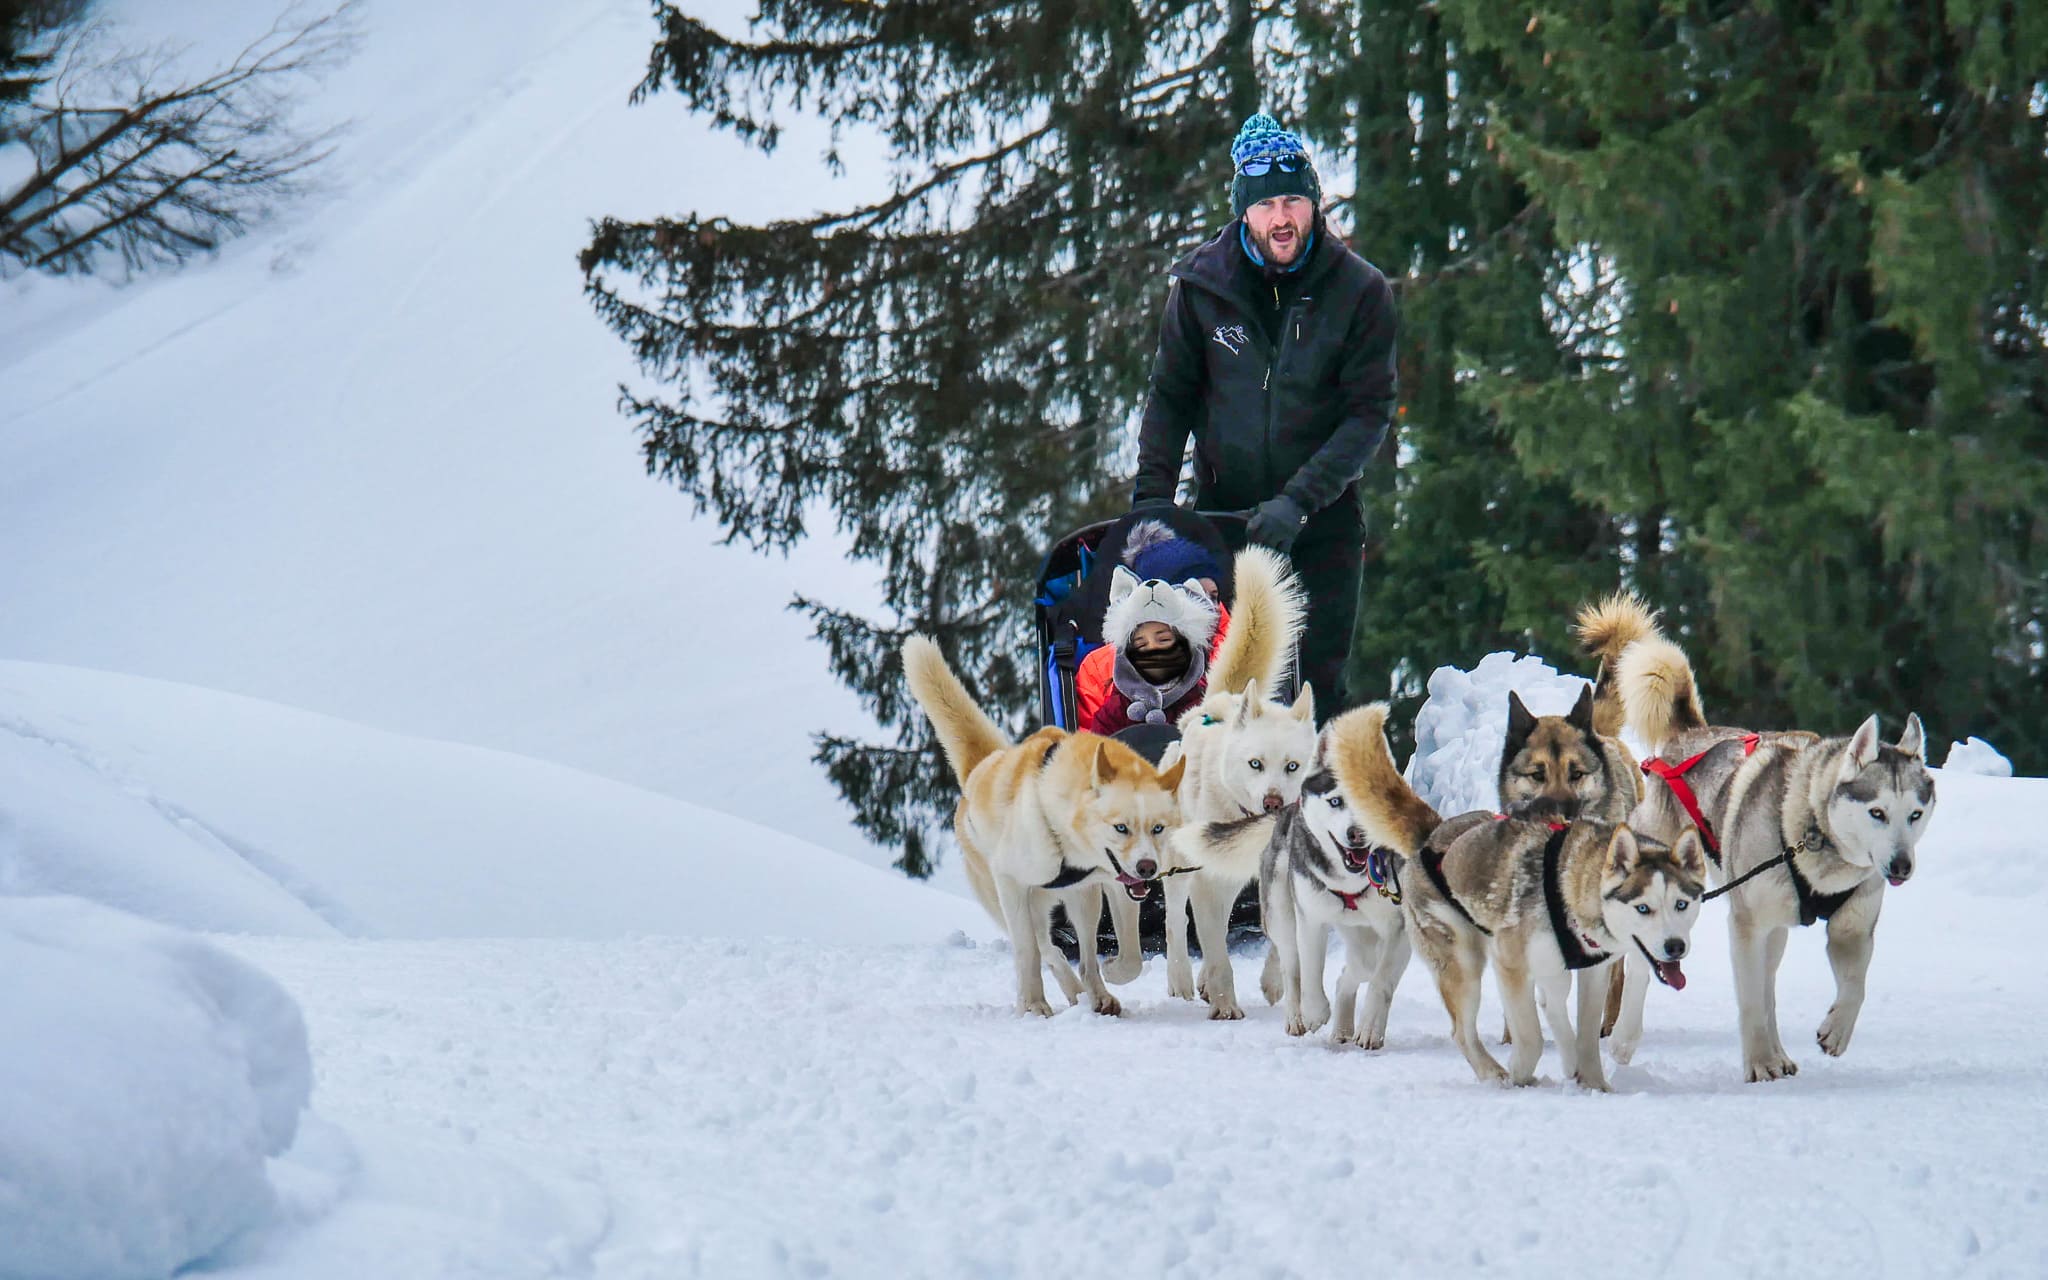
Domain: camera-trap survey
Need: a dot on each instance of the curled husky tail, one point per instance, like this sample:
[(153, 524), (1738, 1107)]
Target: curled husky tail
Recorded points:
[(1658, 694), (964, 729), (1388, 808), (1264, 624), (1617, 622), (1605, 630)]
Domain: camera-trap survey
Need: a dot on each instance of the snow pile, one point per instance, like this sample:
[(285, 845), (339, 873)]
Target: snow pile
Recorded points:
[(213, 811), (1464, 721), (146, 1078), (1974, 755)]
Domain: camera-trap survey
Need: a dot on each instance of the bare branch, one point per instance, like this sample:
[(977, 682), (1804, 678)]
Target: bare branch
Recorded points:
[(132, 162)]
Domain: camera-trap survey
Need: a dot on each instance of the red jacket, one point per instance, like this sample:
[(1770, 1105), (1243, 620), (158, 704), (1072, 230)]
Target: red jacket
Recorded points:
[(1102, 709)]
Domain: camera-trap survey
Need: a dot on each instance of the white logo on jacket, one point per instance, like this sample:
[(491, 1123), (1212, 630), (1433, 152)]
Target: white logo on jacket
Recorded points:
[(1231, 337)]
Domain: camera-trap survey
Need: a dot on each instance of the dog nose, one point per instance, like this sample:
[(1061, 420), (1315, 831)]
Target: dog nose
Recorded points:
[(1901, 868), (1273, 800), (1147, 868), (1674, 948)]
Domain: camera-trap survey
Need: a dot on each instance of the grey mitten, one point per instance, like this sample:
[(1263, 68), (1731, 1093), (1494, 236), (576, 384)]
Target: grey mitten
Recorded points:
[(1276, 523)]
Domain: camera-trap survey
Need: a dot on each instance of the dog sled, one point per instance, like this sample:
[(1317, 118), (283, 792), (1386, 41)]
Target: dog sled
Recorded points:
[(1071, 598)]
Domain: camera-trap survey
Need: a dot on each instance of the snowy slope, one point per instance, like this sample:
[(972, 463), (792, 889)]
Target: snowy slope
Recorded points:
[(209, 810), (368, 462)]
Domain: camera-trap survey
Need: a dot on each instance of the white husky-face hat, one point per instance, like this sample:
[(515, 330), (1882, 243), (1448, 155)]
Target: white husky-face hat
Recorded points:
[(1185, 607)]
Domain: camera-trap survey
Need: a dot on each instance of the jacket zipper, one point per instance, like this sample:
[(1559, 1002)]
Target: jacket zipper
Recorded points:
[(1290, 319)]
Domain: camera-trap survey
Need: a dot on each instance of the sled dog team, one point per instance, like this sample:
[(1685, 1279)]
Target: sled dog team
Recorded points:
[(1592, 868)]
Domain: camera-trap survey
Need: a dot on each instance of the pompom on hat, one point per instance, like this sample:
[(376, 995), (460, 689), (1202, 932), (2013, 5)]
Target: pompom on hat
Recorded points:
[(1262, 138), (1155, 552)]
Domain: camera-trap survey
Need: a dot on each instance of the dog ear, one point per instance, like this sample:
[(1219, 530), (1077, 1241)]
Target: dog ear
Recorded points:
[(1121, 583), (1105, 768), (1248, 703), (1581, 717), (1691, 852), (1520, 723), (1622, 852), (1305, 704), (1913, 742), (1862, 749), (1170, 776)]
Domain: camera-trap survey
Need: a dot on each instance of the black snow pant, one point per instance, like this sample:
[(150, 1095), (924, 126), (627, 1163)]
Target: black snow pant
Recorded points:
[(1329, 559)]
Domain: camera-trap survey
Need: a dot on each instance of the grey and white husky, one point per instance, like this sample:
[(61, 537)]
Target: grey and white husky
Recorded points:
[(1320, 872), (1805, 828), (1539, 900)]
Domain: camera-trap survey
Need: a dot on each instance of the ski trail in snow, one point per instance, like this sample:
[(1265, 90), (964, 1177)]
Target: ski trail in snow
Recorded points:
[(513, 86), (277, 872)]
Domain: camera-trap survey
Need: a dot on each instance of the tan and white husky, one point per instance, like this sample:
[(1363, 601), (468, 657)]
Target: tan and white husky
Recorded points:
[(1056, 817)]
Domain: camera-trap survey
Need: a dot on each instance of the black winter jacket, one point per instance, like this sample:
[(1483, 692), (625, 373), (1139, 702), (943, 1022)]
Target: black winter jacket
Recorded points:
[(1301, 415)]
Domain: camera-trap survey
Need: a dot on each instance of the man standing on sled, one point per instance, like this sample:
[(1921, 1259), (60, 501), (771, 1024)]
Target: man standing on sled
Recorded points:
[(1277, 355)]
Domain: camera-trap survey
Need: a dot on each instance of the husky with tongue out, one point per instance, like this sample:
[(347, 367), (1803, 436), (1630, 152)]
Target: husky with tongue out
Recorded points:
[(1319, 872), (1540, 900)]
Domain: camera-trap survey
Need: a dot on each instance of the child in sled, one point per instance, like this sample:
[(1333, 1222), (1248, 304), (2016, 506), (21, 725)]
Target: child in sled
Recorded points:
[(1161, 629)]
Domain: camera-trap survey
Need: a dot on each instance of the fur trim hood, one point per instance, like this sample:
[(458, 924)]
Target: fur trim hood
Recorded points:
[(1184, 608)]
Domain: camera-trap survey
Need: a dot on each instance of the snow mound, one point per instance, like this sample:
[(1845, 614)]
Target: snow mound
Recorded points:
[(210, 810), (1464, 721), (1974, 755), (147, 1078)]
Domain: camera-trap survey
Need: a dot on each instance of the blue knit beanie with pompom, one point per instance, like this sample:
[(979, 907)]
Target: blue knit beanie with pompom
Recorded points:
[(1262, 138)]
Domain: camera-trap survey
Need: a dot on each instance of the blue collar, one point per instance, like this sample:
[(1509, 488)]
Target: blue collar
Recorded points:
[(1244, 239)]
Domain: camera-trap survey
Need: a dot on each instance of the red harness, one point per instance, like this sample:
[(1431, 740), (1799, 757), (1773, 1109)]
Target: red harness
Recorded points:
[(1674, 777)]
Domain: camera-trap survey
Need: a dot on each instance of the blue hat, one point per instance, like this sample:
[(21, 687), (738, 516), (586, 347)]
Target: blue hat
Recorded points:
[(1262, 138), (1155, 551)]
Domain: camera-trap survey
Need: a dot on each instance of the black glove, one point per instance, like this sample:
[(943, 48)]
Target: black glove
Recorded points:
[(1152, 504), (1277, 523)]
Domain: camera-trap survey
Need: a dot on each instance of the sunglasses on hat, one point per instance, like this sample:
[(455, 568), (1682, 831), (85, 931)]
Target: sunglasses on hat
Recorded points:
[(1285, 164)]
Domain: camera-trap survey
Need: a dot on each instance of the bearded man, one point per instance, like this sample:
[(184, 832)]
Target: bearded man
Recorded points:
[(1277, 356)]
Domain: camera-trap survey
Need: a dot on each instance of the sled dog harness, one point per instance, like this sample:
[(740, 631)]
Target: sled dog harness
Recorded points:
[(1579, 949), (1432, 861), (1812, 905), (1681, 790)]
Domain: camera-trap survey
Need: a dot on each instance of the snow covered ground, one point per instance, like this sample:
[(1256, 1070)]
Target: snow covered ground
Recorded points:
[(779, 1108)]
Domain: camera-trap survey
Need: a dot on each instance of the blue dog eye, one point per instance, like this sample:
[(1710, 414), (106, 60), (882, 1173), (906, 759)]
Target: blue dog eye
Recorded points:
[(1680, 905), (1642, 910), (1122, 829), (1336, 802)]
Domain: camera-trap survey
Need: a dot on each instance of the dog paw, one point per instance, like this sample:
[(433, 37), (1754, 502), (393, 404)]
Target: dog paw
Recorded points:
[(1180, 982), (1039, 1007), (1270, 985), (1296, 1026), (1593, 1080), (1108, 1005), (1770, 1069), (1228, 1011), (1314, 1015), (1123, 971), (1372, 1041), (1833, 1036), (1622, 1050)]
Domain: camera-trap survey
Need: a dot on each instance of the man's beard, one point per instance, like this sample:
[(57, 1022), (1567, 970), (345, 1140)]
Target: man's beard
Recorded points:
[(1294, 246)]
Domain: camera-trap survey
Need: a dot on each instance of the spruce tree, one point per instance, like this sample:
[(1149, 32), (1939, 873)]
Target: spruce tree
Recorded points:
[(1813, 243), (1467, 553), (950, 371)]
